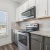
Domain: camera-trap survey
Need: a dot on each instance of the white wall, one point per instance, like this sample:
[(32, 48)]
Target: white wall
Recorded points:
[(10, 7)]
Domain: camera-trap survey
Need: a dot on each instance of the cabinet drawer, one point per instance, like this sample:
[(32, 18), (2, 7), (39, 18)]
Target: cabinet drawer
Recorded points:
[(47, 40), (37, 37)]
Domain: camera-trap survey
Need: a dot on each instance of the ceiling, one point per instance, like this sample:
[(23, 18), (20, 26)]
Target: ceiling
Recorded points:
[(19, 1)]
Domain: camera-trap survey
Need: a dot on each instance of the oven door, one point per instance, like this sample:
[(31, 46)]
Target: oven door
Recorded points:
[(23, 40)]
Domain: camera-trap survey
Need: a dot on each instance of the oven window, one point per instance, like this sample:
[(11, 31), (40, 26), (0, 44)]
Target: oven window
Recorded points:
[(23, 39)]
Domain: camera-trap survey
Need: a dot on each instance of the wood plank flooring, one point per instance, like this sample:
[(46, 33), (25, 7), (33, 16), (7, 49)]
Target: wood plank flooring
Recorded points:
[(9, 47)]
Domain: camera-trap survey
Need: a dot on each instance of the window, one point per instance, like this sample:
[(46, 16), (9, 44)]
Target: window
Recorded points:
[(3, 23)]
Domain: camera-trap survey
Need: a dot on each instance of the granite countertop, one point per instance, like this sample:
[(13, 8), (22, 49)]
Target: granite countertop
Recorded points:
[(42, 33)]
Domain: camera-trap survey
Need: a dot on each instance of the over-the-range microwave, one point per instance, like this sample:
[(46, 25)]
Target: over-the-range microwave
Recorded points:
[(30, 13)]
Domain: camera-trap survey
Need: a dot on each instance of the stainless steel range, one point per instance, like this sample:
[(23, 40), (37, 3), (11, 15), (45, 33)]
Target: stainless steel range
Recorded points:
[(24, 41)]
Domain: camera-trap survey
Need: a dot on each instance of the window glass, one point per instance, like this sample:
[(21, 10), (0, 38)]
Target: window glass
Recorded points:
[(3, 22)]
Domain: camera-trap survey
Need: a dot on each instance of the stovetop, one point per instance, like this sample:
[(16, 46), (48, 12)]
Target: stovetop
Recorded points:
[(25, 31)]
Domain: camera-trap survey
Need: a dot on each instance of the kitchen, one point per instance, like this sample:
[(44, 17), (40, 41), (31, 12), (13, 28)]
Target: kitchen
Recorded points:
[(28, 25)]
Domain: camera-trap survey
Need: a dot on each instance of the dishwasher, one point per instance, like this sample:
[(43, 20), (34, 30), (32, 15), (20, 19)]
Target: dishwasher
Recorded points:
[(36, 42)]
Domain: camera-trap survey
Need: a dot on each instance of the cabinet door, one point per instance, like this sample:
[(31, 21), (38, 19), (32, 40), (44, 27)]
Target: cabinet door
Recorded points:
[(48, 7), (25, 6), (35, 45), (41, 8), (16, 38), (47, 47), (17, 14), (20, 13), (12, 35), (31, 3)]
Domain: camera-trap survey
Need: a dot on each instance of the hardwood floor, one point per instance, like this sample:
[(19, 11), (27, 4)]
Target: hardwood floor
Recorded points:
[(9, 47)]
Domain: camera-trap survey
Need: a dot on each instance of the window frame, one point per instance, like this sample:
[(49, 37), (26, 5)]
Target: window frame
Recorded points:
[(6, 23)]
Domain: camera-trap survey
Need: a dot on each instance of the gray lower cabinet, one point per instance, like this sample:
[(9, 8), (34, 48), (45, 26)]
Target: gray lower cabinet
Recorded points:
[(13, 36), (36, 42), (36, 45), (47, 47), (40, 42), (47, 43)]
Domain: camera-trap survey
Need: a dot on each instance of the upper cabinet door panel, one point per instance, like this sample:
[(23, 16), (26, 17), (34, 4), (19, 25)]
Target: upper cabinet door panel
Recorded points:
[(48, 7), (41, 8), (17, 14), (25, 6), (31, 3), (20, 13)]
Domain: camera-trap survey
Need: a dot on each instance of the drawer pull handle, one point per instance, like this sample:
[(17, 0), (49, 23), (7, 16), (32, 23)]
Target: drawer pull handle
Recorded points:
[(40, 46)]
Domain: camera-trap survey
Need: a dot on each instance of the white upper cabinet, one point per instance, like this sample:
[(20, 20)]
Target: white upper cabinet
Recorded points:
[(25, 6), (19, 14), (41, 8), (31, 3), (48, 7)]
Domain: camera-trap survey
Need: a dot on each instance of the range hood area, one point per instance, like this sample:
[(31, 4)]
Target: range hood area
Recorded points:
[(30, 13)]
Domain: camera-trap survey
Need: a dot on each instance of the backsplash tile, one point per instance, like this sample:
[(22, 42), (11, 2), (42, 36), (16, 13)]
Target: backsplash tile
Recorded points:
[(44, 24)]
